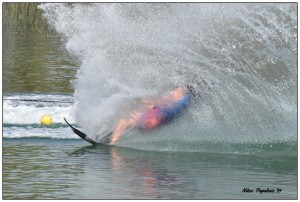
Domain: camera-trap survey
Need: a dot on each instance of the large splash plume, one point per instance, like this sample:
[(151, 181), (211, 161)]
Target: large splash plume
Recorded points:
[(240, 58)]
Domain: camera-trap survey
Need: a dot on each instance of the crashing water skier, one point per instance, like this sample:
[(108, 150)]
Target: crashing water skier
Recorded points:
[(159, 111)]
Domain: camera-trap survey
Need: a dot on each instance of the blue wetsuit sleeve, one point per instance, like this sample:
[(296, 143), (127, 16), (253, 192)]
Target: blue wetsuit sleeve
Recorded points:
[(183, 103)]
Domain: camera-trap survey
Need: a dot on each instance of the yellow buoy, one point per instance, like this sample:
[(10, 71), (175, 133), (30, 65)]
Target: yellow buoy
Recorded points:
[(46, 120)]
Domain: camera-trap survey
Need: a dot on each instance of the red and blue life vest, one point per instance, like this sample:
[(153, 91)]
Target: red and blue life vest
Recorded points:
[(159, 115)]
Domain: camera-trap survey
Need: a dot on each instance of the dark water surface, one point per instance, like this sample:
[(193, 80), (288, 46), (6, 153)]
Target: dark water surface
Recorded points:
[(34, 62), (38, 168)]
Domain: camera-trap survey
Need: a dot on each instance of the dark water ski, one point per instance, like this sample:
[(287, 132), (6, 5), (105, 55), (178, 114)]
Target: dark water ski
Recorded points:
[(84, 136)]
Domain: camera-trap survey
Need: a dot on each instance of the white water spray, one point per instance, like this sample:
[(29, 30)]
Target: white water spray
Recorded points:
[(240, 58)]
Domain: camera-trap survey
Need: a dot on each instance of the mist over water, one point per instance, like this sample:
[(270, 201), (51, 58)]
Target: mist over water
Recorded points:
[(240, 58)]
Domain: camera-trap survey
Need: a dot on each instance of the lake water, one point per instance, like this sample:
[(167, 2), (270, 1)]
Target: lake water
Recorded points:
[(43, 168), (239, 135)]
